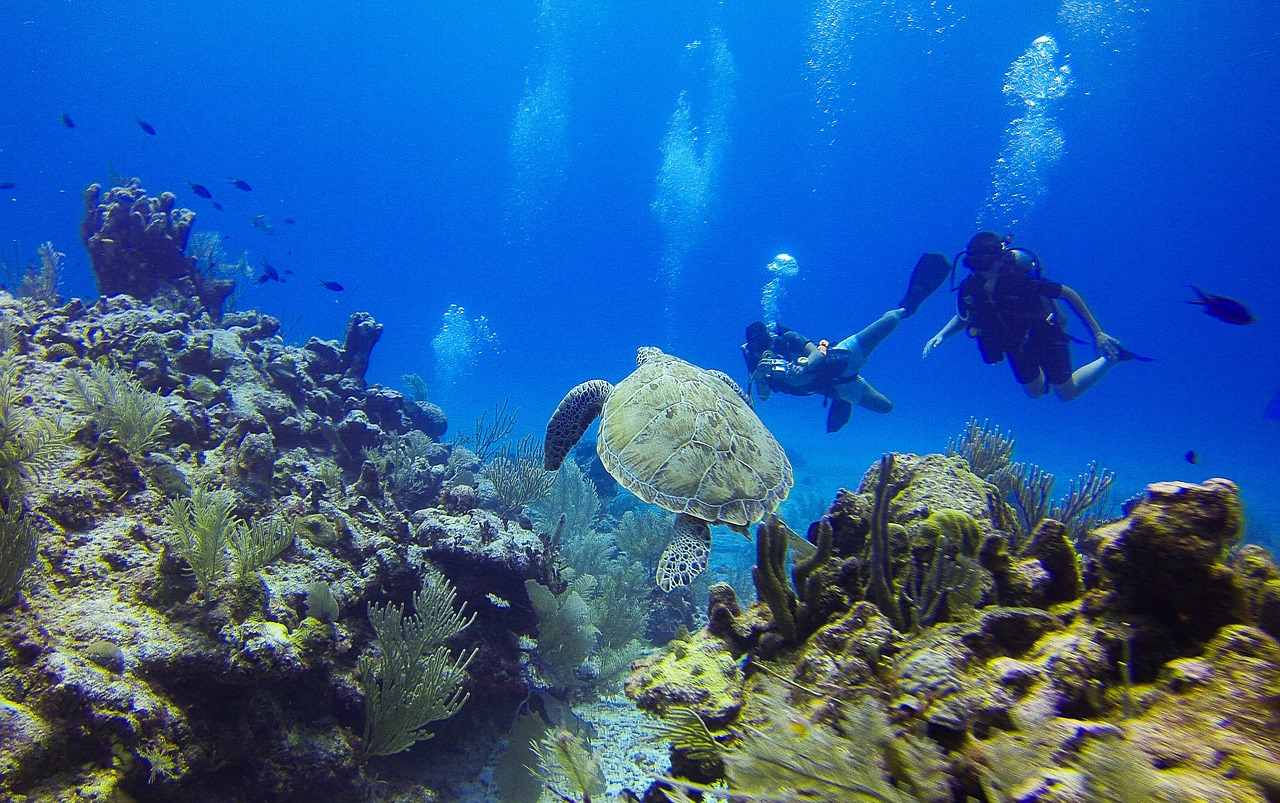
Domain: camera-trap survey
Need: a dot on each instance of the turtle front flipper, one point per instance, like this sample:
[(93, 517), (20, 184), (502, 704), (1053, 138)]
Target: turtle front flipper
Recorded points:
[(686, 556), (577, 410)]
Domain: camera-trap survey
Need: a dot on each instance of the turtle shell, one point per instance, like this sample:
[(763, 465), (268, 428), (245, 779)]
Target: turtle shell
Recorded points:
[(679, 437)]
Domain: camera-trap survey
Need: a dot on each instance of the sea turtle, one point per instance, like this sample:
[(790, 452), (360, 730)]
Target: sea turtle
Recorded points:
[(685, 439)]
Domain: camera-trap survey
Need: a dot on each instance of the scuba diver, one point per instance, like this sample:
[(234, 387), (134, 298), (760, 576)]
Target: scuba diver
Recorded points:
[(1010, 310), (782, 360)]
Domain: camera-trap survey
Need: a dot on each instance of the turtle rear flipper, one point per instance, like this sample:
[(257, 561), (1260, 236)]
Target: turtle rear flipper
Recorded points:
[(576, 411), (686, 556)]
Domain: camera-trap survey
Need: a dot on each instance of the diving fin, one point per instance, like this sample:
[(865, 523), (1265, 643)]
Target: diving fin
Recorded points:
[(929, 273), (1122, 355), (838, 415)]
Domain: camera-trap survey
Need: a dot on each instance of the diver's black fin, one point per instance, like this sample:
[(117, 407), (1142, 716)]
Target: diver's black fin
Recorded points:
[(930, 272), (838, 415), (1125, 354)]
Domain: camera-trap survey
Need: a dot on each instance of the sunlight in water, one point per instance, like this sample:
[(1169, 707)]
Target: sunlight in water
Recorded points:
[(1033, 142), (836, 25), (539, 145), (691, 159), (1106, 24)]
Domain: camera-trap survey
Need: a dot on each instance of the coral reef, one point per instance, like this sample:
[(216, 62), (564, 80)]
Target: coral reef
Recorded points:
[(137, 246), (1151, 674), (232, 569), (139, 659)]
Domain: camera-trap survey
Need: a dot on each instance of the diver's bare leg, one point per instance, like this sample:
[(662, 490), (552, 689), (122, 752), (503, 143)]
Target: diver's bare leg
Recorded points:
[(861, 345), (1083, 378)]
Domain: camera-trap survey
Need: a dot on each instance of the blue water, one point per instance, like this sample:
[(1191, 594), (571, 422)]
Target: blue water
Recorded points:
[(392, 133)]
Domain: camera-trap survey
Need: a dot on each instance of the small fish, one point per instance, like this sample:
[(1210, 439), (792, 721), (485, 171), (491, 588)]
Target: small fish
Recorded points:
[(1192, 457), (288, 272), (145, 126), (263, 224), (290, 221), (334, 286), (1227, 310), (7, 185), (200, 189), (269, 271), (217, 206), (67, 121), (240, 184)]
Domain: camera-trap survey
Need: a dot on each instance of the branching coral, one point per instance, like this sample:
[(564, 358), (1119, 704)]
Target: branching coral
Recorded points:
[(41, 282), (1029, 488), (205, 528), (28, 443), (917, 581), (120, 408), (518, 476), (567, 766), (18, 544), (412, 680), (489, 433), (571, 495)]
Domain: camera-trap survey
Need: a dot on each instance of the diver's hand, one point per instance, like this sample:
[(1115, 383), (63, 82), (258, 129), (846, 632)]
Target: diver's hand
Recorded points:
[(932, 344), (1108, 346)]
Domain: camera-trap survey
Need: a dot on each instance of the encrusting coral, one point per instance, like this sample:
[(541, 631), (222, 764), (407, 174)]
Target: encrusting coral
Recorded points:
[(120, 674), (1150, 670)]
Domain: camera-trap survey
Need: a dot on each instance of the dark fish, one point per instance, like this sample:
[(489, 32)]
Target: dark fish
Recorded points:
[(334, 286), (290, 221), (145, 126), (263, 224), (241, 185), (7, 185), (263, 279), (288, 272), (1192, 457), (200, 189), (67, 121), (269, 271), (217, 206), (1227, 310)]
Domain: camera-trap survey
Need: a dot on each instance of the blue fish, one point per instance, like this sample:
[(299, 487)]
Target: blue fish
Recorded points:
[(334, 286), (145, 126), (240, 184), (67, 121), (1227, 310), (200, 189)]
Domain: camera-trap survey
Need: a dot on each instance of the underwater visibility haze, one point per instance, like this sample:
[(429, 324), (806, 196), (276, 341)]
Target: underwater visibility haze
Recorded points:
[(294, 295)]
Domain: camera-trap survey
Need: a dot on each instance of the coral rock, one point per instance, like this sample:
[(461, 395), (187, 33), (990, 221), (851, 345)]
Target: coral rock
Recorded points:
[(1165, 561)]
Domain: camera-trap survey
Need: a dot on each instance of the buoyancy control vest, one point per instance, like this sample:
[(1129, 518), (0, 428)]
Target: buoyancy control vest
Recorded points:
[(1019, 303)]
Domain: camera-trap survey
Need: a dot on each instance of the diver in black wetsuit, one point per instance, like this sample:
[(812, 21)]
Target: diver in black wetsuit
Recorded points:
[(780, 359), (1010, 310)]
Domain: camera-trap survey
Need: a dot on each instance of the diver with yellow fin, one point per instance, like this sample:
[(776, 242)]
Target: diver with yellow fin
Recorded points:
[(784, 361)]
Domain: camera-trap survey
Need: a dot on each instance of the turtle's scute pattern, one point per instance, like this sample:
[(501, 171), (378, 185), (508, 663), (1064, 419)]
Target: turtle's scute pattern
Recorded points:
[(679, 437), (576, 412)]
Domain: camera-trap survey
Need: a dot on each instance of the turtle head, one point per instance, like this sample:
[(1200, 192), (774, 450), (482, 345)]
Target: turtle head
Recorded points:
[(646, 353)]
